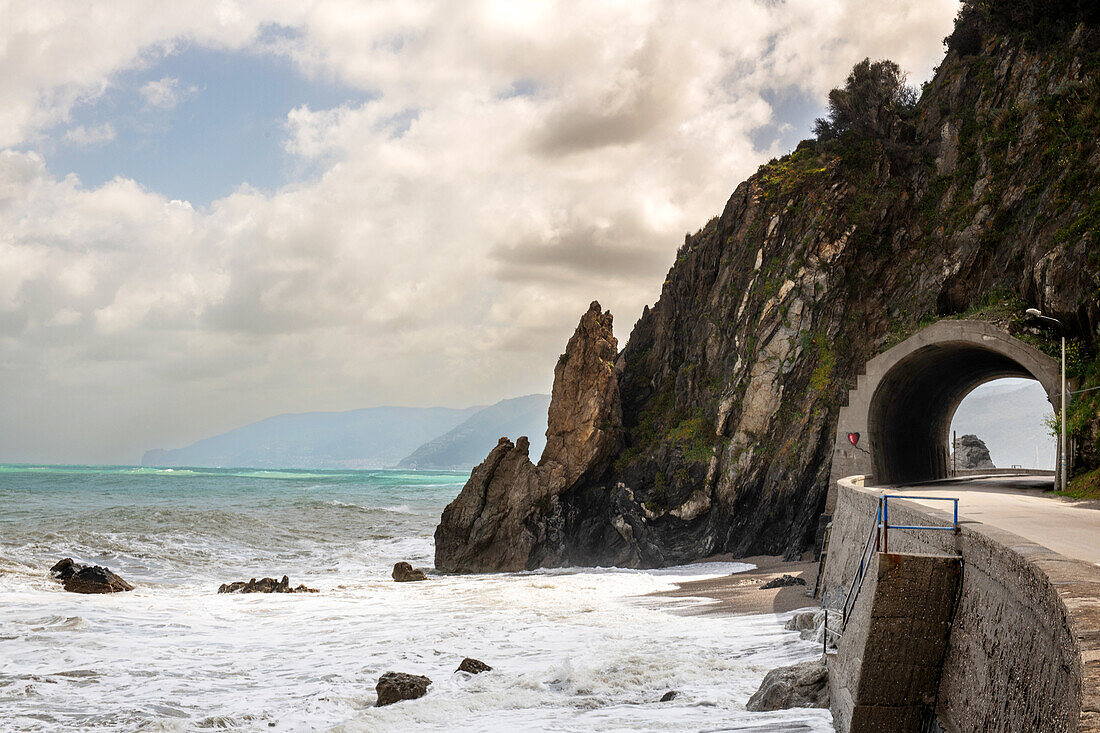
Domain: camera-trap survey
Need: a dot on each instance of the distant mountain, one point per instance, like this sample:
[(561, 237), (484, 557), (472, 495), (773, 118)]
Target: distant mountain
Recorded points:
[(467, 445), (1009, 420), (370, 438)]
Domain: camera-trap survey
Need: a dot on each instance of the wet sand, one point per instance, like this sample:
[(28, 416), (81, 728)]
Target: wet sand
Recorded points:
[(740, 593)]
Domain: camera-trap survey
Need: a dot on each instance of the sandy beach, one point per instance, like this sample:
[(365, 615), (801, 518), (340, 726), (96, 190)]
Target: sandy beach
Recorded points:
[(741, 593)]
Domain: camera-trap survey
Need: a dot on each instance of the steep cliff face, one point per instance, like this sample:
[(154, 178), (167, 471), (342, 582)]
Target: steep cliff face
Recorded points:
[(985, 201)]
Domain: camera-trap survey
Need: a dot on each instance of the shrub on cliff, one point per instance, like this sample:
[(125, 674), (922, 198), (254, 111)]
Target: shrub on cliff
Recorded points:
[(1038, 21), (870, 104)]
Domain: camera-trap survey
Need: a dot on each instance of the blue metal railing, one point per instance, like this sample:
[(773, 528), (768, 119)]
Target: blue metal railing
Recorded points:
[(884, 513), (877, 540)]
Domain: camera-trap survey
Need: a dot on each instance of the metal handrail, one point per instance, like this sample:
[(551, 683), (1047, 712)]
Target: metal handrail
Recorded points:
[(864, 562), (884, 509)]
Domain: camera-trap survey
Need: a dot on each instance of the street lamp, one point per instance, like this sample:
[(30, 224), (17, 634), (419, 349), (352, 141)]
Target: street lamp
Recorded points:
[(1038, 315)]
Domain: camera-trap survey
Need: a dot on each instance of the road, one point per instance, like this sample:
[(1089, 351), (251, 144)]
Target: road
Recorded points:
[(1019, 505)]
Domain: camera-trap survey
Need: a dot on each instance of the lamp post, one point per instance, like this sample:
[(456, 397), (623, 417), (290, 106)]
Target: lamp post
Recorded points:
[(1038, 315)]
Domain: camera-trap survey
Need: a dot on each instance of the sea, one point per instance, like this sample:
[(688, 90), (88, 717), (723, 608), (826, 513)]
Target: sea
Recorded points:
[(576, 649)]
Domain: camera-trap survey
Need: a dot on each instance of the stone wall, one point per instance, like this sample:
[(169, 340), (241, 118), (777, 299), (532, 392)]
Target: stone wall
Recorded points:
[(887, 666), (1024, 649)]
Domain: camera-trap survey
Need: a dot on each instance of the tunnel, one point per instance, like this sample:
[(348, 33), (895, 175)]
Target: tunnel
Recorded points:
[(911, 411), (895, 426)]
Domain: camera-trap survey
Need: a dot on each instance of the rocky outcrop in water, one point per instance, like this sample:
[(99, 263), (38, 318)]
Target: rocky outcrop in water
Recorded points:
[(397, 686), (403, 572), (810, 625), (264, 585), (970, 453), (473, 666), (506, 513), (77, 578), (804, 685)]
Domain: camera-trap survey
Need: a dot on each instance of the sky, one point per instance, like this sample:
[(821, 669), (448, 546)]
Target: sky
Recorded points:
[(215, 212)]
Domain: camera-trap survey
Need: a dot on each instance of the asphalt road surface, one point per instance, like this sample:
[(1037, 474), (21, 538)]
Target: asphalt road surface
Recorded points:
[(1020, 505)]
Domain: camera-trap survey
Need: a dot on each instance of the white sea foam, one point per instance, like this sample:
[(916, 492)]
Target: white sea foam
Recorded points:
[(571, 651)]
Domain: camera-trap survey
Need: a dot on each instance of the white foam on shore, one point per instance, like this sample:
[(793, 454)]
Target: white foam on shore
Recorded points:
[(573, 650)]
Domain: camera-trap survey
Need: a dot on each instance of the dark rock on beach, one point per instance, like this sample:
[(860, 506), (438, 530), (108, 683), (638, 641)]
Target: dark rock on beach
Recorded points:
[(782, 582), (397, 686), (804, 685), (473, 666), (404, 573), (264, 585), (669, 696), (95, 579)]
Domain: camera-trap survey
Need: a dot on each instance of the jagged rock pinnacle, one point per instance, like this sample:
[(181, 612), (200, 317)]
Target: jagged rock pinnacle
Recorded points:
[(503, 511)]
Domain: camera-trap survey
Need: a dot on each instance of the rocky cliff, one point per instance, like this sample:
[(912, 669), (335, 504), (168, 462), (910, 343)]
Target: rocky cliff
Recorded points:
[(981, 201)]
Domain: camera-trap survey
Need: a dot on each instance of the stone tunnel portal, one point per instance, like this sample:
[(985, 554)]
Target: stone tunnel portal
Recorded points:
[(910, 415), (895, 426)]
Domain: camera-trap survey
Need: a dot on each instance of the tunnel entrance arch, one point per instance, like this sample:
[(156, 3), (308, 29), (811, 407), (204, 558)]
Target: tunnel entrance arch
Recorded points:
[(895, 426)]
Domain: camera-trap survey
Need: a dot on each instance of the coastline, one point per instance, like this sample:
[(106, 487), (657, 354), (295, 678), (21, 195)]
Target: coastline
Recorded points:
[(740, 594)]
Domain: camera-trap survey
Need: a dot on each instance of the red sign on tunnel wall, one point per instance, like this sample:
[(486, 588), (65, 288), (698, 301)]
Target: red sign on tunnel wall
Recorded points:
[(853, 438)]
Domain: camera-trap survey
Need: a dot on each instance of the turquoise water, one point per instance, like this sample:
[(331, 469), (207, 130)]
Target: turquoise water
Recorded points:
[(164, 525), (575, 649)]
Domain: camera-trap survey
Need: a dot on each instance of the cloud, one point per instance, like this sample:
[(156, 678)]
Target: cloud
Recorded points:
[(56, 55), (513, 162), (623, 107), (87, 136), (165, 93)]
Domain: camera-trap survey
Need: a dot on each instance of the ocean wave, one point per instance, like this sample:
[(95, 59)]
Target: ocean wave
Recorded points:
[(399, 509)]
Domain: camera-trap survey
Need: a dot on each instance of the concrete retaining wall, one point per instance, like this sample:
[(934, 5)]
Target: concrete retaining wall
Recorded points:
[(1024, 649), (887, 667)]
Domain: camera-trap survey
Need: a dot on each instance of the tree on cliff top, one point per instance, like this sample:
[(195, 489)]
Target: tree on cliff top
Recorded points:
[(1038, 21), (873, 99)]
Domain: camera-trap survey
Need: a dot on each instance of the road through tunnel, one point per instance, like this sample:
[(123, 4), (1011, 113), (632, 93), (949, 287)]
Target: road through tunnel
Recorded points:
[(896, 423), (910, 415)]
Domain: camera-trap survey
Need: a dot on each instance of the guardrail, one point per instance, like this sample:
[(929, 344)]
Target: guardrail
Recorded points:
[(878, 541), (995, 472), (884, 513)]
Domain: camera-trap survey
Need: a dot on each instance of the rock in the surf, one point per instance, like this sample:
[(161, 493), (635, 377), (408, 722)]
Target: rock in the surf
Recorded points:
[(803, 620), (264, 585), (669, 696), (65, 569), (397, 686), (473, 666), (804, 685), (404, 573), (95, 579)]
